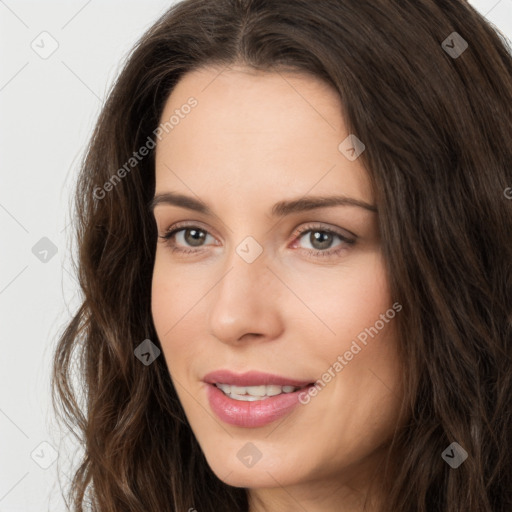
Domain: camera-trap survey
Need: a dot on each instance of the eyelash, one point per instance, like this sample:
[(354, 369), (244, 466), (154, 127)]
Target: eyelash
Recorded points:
[(317, 253)]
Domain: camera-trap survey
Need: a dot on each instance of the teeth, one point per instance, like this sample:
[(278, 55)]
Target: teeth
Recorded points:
[(252, 393)]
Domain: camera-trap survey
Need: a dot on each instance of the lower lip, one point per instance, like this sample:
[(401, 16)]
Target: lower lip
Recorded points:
[(257, 413)]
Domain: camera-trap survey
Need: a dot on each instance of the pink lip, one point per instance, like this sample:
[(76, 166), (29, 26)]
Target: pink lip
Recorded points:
[(252, 378), (251, 414)]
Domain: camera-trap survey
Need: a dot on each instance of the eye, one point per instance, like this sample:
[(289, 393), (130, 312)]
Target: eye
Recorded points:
[(193, 236), (189, 239), (321, 239)]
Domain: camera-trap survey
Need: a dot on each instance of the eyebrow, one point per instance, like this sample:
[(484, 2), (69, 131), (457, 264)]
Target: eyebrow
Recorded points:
[(280, 209)]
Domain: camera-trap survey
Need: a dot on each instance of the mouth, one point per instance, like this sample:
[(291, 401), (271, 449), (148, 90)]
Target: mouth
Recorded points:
[(252, 399), (253, 393)]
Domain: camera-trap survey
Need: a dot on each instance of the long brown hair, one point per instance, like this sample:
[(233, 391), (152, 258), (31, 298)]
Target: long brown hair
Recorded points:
[(436, 119)]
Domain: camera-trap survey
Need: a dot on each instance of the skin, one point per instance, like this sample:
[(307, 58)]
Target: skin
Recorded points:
[(256, 138)]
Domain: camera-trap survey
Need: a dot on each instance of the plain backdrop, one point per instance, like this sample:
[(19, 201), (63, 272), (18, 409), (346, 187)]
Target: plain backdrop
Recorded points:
[(57, 61)]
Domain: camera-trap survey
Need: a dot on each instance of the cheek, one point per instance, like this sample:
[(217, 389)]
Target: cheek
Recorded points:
[(172, 293), (161, 303), (346, 299), (166, 304), (354, 345), (174, 298)]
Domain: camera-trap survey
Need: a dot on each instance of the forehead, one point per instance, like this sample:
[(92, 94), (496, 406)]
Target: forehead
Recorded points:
[(254, 130)]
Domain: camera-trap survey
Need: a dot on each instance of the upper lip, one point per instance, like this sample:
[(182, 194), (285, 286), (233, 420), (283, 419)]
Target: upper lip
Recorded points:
[(251, 378)]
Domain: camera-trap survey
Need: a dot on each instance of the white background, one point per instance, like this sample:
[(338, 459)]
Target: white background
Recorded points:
[(48, 108)]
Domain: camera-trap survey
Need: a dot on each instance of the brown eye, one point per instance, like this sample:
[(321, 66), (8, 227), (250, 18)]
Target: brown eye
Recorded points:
[(193, 236), (321, 239)]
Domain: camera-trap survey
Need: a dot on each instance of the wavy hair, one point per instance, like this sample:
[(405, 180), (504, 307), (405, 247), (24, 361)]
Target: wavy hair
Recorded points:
[(436, 124)]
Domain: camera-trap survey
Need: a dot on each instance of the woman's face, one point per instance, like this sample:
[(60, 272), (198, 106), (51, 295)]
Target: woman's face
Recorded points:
[(257, 285)]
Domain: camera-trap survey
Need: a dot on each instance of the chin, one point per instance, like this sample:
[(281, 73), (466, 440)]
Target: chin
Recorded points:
[(263, 474)]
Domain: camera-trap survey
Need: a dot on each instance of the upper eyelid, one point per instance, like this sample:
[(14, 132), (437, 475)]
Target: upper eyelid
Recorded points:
[(178, 226)]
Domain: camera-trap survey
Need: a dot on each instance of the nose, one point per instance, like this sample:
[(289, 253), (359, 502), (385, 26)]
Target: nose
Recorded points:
[(245, 304)]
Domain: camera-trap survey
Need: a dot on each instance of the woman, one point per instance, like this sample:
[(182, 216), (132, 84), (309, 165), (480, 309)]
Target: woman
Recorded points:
[(294, 251)]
